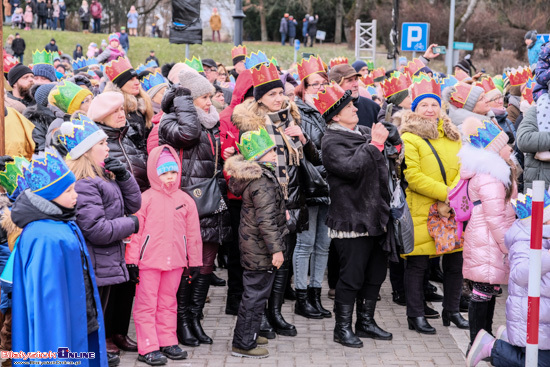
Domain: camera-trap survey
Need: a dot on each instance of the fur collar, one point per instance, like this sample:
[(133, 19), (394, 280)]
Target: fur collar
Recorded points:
[(131, 103), (481, 161), (241, 173), (413, 123), (250, 115)]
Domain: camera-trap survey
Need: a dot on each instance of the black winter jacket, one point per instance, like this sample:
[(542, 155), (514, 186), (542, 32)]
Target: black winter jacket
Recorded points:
[(41, 117), (367, 111), (42, 9), (18, 46)]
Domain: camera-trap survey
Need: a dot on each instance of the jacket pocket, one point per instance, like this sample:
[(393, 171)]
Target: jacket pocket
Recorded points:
[(143, 247)]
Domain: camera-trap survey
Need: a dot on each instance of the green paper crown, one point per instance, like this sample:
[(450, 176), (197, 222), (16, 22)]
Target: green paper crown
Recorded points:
[(42, 57), (255, 144), (13, 176), (274, 61), (195, 63), (63, 95), (370, 65)]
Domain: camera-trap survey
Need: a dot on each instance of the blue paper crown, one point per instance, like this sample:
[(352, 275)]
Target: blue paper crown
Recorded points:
[(255, 59), (91, 61), (485, 135), (152, 64), (140, 68), (523, 205), (152, 80), (78, 130), (530, 82), (372, 91), (449, 81), (79, 63), (48, 175)]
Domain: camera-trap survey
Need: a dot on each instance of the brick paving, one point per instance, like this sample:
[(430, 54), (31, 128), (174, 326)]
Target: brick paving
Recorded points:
[(313, 346)]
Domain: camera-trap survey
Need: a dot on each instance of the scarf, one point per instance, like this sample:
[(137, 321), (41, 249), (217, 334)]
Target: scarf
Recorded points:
[(210, 119), (338, 127)]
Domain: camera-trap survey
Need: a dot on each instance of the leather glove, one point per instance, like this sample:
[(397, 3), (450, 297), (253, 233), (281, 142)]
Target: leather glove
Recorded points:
[(136, 222), (174, 91), (117, 168), (133, 272), (194, 272), (3, 160)]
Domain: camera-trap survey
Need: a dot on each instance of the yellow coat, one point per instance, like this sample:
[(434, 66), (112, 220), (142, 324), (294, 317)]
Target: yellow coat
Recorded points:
[(215, 22), (18, 134), (426, 184)]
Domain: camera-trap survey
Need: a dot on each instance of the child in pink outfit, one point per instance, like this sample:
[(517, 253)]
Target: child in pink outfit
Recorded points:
[(168, 241)]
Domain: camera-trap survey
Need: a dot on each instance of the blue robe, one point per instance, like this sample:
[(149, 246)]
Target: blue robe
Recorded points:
[(49, 296)]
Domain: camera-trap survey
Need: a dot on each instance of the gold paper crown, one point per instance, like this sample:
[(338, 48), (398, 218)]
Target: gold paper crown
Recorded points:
[(264, 74), (310, 66), (338, 61), (398, 82)]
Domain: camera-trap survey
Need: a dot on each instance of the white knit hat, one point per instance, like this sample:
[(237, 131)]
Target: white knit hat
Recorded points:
[(196, 83)]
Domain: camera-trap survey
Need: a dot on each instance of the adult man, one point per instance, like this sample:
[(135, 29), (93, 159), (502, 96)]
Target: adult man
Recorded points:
[(283, 28), (96, 9), (18, 46), (52, 46), (292, 24), (211, 71), (346, 76), (21, 79), (152, 57)]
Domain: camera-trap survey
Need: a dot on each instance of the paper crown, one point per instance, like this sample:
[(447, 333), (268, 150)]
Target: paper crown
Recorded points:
[(152, 64), (527, 93), (328, 98), (372, 91), (48, 175), (378, 73), (117, 67), (487, 84), (79, 135), (519, 76), (264, 74), (413, 67), (523, 206), (255, 59), (448, 81), (237, 51), (13, 179), (68, 96), (367, 80), (461, 75), (370, 64), (310, 66), (91, 61), (274, 61), (79, 63), (485, 135), (42, 57), (9, 62), (195, 63), (152, 80), (255, 144), (460, 95), (140, 69), (398, 82), (338, 61), (423, 84)]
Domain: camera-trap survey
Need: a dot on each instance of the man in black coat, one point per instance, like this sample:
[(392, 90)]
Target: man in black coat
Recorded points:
[(18, 46), (346, 76)]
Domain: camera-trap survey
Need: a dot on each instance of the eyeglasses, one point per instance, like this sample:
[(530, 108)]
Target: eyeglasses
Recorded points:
[(497, 99), (213, 70), (222, 74), (319, 85)]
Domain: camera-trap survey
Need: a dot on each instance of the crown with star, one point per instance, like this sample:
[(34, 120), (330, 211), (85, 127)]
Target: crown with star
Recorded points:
[(76, 131), (448, 81), (195, 63), (255, 144), (12, 178), (42, 57), (397, 82), (487, 84), (310, 66), (413, 67), (264, 74), (117, 67), (237, 51), (79, 63), (519, 76), (338, 61), (424, 84), (523, 206), (47, 174), (328, 98), (152, 80), (255, 59), (9, 62)]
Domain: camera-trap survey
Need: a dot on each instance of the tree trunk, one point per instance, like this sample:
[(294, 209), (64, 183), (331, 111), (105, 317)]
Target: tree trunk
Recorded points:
[(351, 17), (263, 23), (308, 5), (467, 14), (338, 25)]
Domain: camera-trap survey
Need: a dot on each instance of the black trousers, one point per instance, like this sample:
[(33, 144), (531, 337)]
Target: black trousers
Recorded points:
[(104, 293), (333, 266), (363, 266), (257, 288), (397, 275), (415, 272), (234, 268), (119, 309)]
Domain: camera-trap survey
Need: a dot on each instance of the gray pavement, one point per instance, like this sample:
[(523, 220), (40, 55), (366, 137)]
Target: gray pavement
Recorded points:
[(313, 346)]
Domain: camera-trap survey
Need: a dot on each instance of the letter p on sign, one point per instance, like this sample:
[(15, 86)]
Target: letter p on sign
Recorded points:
[(414, 35)]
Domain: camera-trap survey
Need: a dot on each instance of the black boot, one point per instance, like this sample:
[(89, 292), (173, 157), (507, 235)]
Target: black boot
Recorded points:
[(266, 330), (274, 305), (490, 314), (216, 281), (185, 335), (314, 296), (454, 317), (232, 304), (199, 292), (302, 306), (343, 333), (477, 313), (366, 327), (420, 324)]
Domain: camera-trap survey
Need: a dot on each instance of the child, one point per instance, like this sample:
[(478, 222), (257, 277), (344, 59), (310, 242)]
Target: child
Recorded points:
[(261, 234), (28, 17), (17, 19), (55, 298), (485, 161), (508, 349), (168, 241), (106, 202)]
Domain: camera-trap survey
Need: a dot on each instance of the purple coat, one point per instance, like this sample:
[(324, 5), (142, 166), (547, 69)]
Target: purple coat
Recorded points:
[(517, 240), (101, 209)]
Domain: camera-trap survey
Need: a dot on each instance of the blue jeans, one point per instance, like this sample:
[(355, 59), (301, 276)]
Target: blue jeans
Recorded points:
[(312, 243), (54, 24), (508, 355), (97, 25), (283, 38)]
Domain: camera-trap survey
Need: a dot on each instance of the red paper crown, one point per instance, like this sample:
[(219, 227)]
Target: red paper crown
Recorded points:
[(460, 75), (396, 83), (264, 74), (424, 84), (519, 76), (367, 79), (378, 73), (527, 93), (328, 98), (117, 67), (239, 50), (413, 66), (338, 61), (459, 97), (487, 84), (9, 62), (310, 66)]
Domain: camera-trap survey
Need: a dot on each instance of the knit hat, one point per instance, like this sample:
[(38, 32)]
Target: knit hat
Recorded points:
[(531, 35), (80, 135), (255, 144), (196, 83), (153, 83), (17, 72), (358, 65), (175, 71), (466, 65), (484, 134), (105, 104), (523, 206), (41, 94), (264, 79), (463, 95), (166, 163), (45, 70), (68, 96), (114, 36)]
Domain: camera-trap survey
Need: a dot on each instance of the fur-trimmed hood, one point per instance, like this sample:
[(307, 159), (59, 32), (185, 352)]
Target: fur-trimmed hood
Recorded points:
[(480, 161), (250, 115), (412, 122), (241, 173)]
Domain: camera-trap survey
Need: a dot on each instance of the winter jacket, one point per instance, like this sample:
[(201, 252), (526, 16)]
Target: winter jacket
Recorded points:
[(123, 148), (42, 9), (109, 54), (292, 28), (367, 110), (78, 53), (506, 125), (84, 14), (124, 41), (96, 9), (518, 242), (19, 135), (263, 220), (101, 209), (304, 28), (41, 117), (18, 46), (283, 27), (51, 48), (542, 72), (28, 15), (312, 28), (530, 141), (215, 22), (62, 12), (485, 255), (426, 185), (50, 12), (182, 130), (533, 52), (169, 234)]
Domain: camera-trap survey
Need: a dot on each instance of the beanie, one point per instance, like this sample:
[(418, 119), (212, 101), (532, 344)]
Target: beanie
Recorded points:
[(41, 94), (45, 70), (124, 78), (113, 36), (166, 163), (473, 97), (531, 35), (261, 90), (176, 69), (196, 83), (359, 64), (17, 72), (418, 99), (157, 88), (105, 104)]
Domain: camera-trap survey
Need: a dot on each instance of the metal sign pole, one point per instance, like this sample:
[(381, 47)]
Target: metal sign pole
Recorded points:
[(450, 45)]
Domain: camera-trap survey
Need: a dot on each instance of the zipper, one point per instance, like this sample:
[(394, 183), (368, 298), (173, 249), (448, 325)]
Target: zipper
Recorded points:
[(185, 249), (125, 155), (142, 251)]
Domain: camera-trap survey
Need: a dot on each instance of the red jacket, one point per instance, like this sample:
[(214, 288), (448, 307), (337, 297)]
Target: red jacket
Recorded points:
[(169, 234)]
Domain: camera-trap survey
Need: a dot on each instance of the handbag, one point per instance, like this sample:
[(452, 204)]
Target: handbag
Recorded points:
[(312, 181), (206, 194)]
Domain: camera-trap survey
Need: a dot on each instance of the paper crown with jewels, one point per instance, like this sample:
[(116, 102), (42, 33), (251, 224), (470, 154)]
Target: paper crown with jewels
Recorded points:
[(48, 175), (68, 96), (397, 82), (80, 135), (151, 64), (91, 61), (379, 74), (338, 61), (527, 93), (264, 74), (487, 84), (424, 85), (255, 144), (13, 179), (117, 67), (413, 67), (461, 75), (152, 80), (238, 51), (331, 100), (523, 206), (255, 59), (519, 76), (367, 80), (42, 57), (9, 62), (484, 134), (448, 81), (310, 66), (195, 63), (460, 95), (79, 63)]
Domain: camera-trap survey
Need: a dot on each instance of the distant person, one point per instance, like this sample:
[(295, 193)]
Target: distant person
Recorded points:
[(7, 11), (305, 23), (77, 53), (55, 15), (215, 24), (52, 46), (42, 12), (49, 15), (312, 29), (96, 10), (124, 41), (18, 46), (8, 46), (283, 28), (84, 15), (93, 50), (27, 17), (132, 21), (534, 45), (17, 19), (152, 57), (62, 14), (292, 24)]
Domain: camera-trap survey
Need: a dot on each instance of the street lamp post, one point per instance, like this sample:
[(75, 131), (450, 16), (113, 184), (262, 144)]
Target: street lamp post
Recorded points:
[(450, 51), (238, 17)]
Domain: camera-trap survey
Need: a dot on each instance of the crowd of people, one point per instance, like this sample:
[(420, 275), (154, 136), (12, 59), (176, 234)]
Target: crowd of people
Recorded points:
[(288, 28), (143, 175)]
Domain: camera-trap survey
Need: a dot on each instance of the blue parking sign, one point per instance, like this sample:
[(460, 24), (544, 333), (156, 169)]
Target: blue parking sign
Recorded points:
[(415, 36)]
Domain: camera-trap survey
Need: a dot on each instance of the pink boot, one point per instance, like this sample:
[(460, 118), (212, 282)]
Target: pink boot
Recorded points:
[(481, 348)]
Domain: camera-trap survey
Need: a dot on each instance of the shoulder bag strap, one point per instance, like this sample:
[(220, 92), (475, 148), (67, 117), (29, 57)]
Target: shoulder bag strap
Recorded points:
[(438, 161), (190, 166)]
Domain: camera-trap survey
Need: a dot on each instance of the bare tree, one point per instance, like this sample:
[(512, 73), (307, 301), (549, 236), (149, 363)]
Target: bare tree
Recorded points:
[(338, 25), (467, 14)]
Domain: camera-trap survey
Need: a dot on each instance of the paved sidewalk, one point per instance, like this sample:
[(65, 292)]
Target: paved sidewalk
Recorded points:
[(313, 346)]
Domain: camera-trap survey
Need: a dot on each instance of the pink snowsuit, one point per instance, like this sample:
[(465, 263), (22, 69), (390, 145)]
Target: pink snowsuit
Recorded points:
[(168, 241)]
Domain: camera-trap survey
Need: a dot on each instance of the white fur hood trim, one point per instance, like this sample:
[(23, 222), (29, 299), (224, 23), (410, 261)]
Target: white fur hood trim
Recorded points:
[(483, 161)]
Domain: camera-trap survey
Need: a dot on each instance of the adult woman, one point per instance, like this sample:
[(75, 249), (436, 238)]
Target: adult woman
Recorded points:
[(62, 14), (312, 246), (55, 15), (191, 126), (42, 12), (466, 100), (84, 15), (132, 21), (427, 131), (271, 110), (49, 15), (495, 100)]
